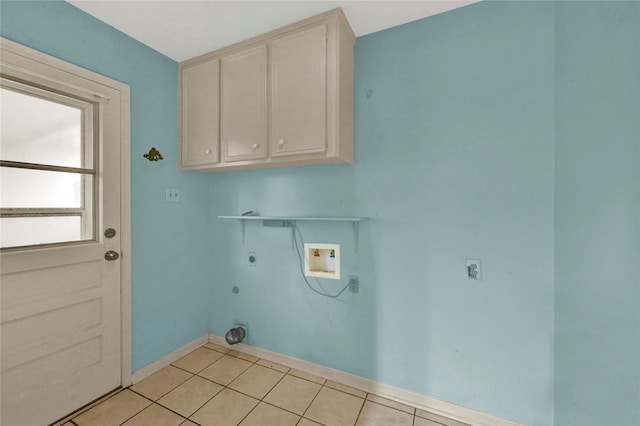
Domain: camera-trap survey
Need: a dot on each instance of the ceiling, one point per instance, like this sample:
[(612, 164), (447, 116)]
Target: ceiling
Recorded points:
[(182, 29)]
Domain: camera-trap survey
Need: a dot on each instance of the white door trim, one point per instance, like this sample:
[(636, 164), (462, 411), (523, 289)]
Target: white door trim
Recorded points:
[(125, 187)]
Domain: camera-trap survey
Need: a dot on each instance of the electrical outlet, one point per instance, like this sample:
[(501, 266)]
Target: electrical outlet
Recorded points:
[(474, 270), (354, 284), (172, 195)]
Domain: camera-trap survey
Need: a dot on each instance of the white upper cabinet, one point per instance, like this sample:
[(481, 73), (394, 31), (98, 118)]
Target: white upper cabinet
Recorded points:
[(243, 113), (199, 114), (281, 99), (299, 92)]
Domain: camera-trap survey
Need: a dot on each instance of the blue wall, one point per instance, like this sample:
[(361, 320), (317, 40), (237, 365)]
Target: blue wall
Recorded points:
[(169, 304), (597, 216), (454, 159), (505, 131)]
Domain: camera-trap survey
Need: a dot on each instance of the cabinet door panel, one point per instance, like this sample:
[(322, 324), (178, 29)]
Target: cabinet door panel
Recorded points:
[(200, 114), (299, 94), (244, 105)]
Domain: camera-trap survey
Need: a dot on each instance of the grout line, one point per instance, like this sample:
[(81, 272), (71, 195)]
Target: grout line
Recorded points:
[(331, 385), (212, 349), (206, 402), (250, 411), (89, 406), (190, 372), (361, 409), (275, 363), (169, 409), (206, 347), (152, 403), (310, 381), (251, 396), (207, 366), (365, 399), (388, 406), (432, 421), (313, 400), (280, 408), (234, 390), (276, 384), (242, 353), (70, 418), (126, 420), (170, 390), (145, 397), (148, 399), (324, 381), (242, 393), (272, 388), (199, 371)]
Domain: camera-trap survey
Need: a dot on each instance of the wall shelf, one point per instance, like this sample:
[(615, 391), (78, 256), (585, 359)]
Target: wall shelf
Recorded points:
[(289, 222)]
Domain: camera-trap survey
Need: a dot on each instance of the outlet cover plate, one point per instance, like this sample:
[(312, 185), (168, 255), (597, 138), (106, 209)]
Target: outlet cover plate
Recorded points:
[(474, 269), (354, 284), (172, 195)]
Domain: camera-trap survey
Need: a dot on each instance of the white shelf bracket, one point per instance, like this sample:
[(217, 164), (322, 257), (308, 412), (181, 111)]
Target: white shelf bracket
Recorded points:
[(290, 222), (356, 234)]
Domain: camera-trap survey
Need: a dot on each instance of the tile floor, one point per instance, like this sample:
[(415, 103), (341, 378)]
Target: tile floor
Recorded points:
[(215, 386)]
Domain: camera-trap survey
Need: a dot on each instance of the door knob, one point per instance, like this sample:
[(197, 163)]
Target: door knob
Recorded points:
[(111, 255)]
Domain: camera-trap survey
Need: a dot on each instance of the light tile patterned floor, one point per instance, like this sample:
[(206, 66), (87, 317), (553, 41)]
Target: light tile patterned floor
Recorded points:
[(215, 386)]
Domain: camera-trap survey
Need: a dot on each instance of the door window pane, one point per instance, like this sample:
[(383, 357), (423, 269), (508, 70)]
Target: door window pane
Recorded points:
[(40, 131), (26, 231), (25, 188), (48, 182)]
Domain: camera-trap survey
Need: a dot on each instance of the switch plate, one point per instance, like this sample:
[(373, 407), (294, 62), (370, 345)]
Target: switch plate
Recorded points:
[(172, 195), (474, 269)]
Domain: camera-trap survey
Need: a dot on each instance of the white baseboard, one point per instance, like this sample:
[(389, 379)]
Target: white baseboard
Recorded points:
[(423, 402), (149, 369)]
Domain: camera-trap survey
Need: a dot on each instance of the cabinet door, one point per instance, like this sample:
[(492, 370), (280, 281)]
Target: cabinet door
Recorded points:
[(299, 94), (200, 114), (243, 115)]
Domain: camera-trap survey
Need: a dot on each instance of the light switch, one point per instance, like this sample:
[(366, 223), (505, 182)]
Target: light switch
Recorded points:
[(172, 195)]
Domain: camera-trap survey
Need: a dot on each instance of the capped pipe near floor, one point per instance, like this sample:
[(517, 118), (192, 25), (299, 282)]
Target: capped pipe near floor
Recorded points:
[(235, 335)]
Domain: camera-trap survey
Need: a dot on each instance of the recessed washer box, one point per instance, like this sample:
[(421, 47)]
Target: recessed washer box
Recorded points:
[(322, 260)]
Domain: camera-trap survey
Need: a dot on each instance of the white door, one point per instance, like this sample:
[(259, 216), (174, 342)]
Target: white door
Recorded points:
[(60, 173)]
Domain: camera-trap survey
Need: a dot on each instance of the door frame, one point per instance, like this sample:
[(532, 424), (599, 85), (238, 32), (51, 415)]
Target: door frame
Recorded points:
[(125, 187)]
